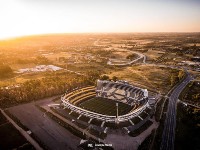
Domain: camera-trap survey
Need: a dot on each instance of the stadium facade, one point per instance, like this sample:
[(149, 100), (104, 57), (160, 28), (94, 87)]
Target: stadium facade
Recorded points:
[(119, 91)]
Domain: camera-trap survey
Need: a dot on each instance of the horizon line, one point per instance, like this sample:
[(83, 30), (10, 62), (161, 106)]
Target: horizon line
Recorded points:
[(46, 34)]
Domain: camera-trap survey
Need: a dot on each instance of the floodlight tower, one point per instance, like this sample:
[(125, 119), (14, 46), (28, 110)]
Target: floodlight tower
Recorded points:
[(117, 121), (117, 109)]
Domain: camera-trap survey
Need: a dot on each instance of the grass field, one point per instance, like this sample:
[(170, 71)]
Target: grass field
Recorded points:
[(105, 106), (18, 79), (146, 76)]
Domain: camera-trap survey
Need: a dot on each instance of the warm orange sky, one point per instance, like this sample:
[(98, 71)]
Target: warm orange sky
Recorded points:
[(27, 17)]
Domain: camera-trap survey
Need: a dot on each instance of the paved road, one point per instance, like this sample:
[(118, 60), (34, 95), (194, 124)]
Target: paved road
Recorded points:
[(170, 121), (140, 56), (23, 132)]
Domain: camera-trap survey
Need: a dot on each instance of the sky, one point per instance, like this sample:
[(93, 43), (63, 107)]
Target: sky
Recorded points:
[(31, 17)]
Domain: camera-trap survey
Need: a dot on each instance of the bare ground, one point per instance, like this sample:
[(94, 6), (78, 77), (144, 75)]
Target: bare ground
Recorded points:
[(48, 131)]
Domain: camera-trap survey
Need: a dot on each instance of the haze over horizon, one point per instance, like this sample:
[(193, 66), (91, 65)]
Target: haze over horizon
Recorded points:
[(31, 17)]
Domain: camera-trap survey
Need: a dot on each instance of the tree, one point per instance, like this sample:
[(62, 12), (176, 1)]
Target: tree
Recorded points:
[(131, 56), (93, 75), (42, 60), (104, 77), (114, 78), (174, 79), (5, 70), (181, 74)]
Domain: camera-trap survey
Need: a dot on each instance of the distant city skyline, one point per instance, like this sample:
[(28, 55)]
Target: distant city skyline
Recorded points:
[(31, 17)]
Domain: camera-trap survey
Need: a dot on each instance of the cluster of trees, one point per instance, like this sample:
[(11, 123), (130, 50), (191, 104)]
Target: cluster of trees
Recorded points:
[(105, 77), (194, 50), (46, 87), (192, 93), (162, 58), (196, 96), (176, 77), (24, 61), (131, 56), (100, 52), (5, 70), (41, 60)]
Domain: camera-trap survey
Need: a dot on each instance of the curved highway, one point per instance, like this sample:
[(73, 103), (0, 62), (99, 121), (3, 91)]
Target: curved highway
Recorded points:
[(140, 56), (126, 63), (168, 136)]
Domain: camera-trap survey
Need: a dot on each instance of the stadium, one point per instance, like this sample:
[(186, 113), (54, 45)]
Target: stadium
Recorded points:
[(108, 104)]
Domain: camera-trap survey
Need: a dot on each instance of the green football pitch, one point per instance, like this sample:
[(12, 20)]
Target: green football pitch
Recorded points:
[(105, 106)]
